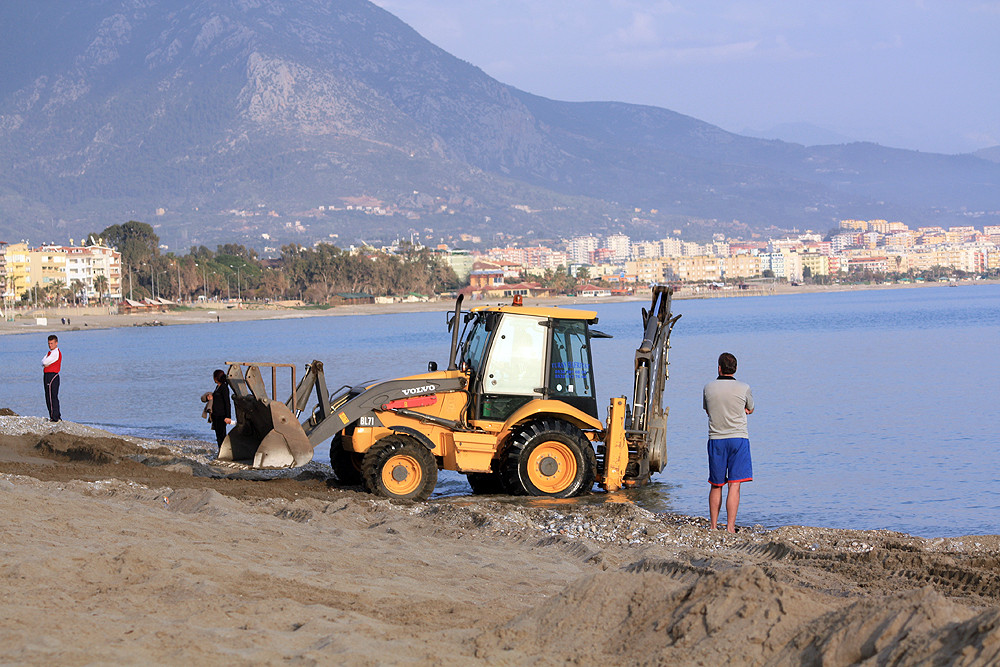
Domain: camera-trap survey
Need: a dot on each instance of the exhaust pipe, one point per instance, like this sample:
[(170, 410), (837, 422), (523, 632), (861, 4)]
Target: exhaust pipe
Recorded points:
[(454, 333)]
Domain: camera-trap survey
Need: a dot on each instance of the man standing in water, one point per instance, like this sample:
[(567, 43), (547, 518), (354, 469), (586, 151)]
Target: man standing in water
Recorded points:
[(727, 402), (50, 378)]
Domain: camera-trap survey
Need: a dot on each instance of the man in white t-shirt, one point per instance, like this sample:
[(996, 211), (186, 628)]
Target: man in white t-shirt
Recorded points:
[(727, 402)]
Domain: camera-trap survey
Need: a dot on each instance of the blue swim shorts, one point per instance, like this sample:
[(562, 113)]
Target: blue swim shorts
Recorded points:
[(729, 461)]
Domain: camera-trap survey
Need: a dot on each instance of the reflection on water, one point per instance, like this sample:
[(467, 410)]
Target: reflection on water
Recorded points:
[(875, 409)]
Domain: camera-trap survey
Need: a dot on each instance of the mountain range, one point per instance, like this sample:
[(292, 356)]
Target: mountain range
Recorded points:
[(273, 121)]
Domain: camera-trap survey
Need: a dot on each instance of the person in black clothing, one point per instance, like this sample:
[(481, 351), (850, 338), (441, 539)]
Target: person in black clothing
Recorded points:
[(222, 410)]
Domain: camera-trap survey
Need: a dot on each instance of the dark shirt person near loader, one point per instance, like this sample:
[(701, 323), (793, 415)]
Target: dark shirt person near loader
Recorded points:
[(222, 410), (51, 365), (727, 402)]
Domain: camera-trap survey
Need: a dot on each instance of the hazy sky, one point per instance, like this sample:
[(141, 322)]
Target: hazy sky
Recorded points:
[(918, 74)]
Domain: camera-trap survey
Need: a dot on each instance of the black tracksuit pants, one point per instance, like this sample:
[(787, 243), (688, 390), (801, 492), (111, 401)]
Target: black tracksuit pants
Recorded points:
[(51, 383)]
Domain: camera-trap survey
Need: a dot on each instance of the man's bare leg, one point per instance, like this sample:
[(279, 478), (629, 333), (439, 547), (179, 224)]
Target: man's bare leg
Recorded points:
[(714, 505), (732, 505)]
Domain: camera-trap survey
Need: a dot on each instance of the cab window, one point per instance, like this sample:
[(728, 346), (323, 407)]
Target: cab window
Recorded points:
[(570, 363), (517, 356), (475, 345)]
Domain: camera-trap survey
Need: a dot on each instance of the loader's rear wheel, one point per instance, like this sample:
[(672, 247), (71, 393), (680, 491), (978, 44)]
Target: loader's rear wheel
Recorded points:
[(549, 458), (346, 465), (399, 467)]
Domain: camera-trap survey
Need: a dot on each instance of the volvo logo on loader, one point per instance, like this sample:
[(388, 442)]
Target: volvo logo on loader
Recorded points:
[(419, 390)]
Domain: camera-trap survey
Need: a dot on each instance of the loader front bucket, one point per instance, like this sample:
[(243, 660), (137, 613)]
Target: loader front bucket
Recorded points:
[(266, 435)]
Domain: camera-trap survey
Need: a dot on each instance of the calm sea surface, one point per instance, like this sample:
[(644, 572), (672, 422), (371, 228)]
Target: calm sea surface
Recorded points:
[(875, 409)]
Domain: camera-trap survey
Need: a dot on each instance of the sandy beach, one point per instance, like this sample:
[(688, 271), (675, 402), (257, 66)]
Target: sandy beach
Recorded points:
[(119, 550), (97, 317)]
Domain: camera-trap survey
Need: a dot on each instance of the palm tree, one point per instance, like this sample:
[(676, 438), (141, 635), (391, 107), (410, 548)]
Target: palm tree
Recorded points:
[(75, 288), (101, 286), (53, 292)]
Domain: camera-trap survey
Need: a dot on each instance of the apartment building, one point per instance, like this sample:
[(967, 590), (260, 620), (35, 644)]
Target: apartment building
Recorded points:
[(671, 247), (620, 246), (647, 270), (6, 291), (959, 234), (535, 257), (699, 268), (736, 267), (880, 226), (777, 245), (18, 265), (817, 263), (105, 262), (841, 242), (901, 239), (747, 247), (821, 247), (886, 227), (646, 249), (47, 266), (773, 262), (873, 264), (859, 225), (63, 265), (460, 261), (581, 249)]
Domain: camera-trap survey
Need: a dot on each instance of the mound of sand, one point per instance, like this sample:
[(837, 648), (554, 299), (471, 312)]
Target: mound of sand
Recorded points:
[(118, 550), (676, 616), (914, 627)]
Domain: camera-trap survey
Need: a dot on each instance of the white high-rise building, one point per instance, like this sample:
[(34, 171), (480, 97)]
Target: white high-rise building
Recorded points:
[(581, 248), (620, 246), (671, 247), (643, 249)]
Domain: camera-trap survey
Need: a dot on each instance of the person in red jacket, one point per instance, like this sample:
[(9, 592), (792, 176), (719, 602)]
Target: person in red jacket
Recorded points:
[(51, 365)]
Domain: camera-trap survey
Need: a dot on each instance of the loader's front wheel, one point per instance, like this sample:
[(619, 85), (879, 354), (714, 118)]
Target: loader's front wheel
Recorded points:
[(550, 458), (399, 467)]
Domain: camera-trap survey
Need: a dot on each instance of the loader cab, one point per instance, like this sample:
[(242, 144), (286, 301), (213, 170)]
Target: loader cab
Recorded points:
[(517, 354)]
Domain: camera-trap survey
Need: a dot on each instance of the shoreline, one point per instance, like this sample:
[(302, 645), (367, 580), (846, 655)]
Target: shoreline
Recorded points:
[(87, 319)]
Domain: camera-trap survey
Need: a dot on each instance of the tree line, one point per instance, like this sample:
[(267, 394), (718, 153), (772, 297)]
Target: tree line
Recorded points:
[(317, 275)]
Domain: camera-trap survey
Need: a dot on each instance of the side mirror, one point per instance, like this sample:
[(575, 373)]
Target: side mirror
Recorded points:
[(432, 366)]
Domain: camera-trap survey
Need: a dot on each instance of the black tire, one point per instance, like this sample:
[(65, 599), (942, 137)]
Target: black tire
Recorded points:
[(346, 465), (485, 483), (400, 468), (549, 458)]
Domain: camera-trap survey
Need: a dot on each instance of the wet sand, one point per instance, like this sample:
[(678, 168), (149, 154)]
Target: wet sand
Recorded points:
[(98, 317), (122, 550)]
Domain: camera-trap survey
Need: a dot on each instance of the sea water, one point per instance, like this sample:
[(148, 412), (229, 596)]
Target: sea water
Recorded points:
[(875, 408)]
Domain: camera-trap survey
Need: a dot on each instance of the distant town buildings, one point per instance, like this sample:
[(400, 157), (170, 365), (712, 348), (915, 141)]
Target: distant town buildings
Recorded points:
[(874, 246), (868, 248), (86, 272)]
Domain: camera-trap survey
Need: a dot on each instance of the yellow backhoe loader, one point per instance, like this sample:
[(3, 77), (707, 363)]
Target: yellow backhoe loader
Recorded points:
[(515, 410)]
